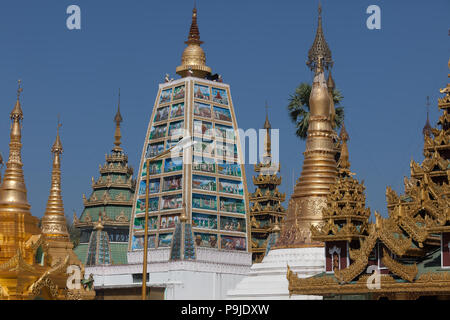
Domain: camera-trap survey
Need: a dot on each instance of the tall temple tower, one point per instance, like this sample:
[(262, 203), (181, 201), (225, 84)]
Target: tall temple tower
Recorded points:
[(208, 177), (294, 245), (319, 166), (105, 220), (266, 211), (197, 225)]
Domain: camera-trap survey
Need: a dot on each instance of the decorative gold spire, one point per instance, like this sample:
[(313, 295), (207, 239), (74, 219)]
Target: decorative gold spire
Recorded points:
[(267, 141), (319, 166), (343, 163), (427, 128), (193, 60), (13, 192), (54, 222), (319, 48), (117, 134), (17, 224)]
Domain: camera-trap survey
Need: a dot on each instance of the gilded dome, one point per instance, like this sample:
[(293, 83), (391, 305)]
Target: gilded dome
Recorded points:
[(193, 60)]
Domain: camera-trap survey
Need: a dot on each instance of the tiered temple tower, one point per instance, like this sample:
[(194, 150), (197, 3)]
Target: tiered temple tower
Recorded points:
[(266, 211), (33, 264), (105, 220), (198, 206), (208, 177)]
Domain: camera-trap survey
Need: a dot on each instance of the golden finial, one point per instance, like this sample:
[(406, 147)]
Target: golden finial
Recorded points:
[(343, 162), (427, 132), (19, 90), (117, 134), (330, 82), (267, 140), (16, 113), (193, 60), (99, 225), (57, 146), (319, 47), (267, 123)]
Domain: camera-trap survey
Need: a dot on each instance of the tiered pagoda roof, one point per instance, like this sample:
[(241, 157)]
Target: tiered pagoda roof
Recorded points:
[(410, 247), (346, 216), (266, 211), (111, 201)]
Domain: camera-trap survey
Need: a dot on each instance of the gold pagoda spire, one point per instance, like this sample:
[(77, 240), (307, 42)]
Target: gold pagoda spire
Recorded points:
[(13, 192), (267, 140), (54, 221), (17, 224), (193, 60), (319, 166), (319, 48), (117, 134)]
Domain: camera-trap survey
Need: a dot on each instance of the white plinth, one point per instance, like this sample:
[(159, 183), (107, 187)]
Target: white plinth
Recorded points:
[(267, 280), (210, 276)]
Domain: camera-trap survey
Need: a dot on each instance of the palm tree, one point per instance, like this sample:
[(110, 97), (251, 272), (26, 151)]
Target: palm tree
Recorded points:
[(74, 233), (299, 109)]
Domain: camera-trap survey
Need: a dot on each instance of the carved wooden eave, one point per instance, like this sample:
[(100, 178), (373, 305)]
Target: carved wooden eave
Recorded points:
[(406, 272), (258, 209), (266, 179), (426, 284), (109, 202), (441, 138), (330, 232), (116, 157), (16, 263), (124, 169)]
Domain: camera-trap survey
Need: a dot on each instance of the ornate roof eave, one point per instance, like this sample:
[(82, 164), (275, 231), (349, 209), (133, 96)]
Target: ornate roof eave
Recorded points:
[(429, 283), (266, 179), (280, 198)]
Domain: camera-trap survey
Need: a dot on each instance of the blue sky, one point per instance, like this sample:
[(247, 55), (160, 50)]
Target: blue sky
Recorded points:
[(259, 47)]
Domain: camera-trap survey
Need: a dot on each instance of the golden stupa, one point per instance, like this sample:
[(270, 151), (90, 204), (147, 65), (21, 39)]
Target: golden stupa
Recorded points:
[(319, 167), (30, 266)]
